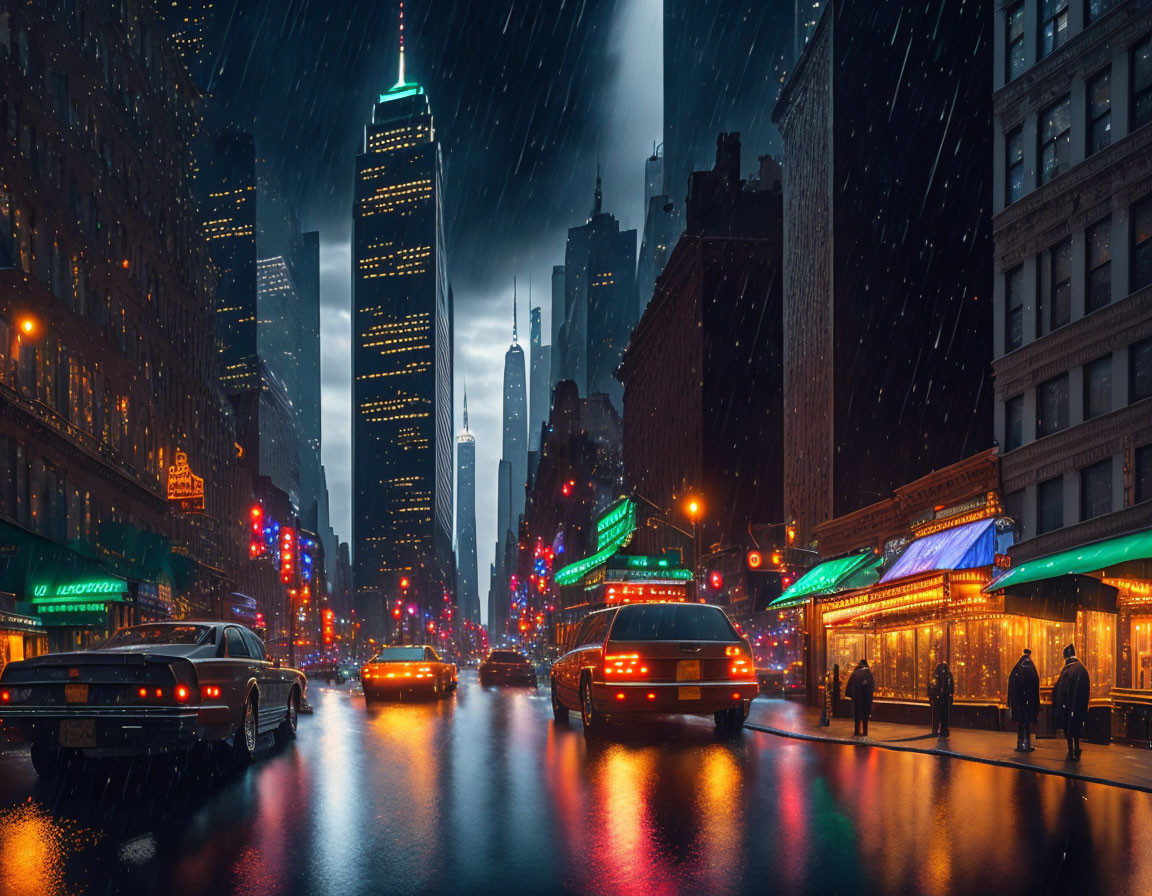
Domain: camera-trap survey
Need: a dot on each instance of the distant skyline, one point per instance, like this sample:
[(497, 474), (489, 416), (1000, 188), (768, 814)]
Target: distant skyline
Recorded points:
[(520, 160)]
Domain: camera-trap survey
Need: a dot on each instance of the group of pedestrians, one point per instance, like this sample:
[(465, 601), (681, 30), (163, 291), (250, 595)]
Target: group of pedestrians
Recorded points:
[(1069, 699)]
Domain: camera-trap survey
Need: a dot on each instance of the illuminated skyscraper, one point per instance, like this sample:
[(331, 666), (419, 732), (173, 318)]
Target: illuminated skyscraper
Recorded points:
[(467, 589), (226, 190), (401, 357)]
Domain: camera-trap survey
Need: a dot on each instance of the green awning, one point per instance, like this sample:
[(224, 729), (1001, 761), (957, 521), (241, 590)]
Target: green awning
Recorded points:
[(855, 571), (1097, 557)]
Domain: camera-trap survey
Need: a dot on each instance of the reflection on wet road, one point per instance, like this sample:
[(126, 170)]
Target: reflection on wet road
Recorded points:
[(482, 793)]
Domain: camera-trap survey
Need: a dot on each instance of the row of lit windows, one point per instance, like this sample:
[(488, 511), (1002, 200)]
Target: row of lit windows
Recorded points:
[(411, 368), (390, 418)]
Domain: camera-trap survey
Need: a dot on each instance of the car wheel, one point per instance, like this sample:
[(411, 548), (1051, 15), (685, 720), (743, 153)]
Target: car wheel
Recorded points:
[(589, 715), (53, 761), (244, 741), (286, 731), (559, 710)]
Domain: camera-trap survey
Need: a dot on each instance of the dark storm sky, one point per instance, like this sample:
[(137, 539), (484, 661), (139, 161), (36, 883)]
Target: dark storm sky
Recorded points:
[(526, 96)]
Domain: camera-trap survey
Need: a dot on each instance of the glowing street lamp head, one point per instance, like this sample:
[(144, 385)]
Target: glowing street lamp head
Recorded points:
[(694, 507), (28, 326)]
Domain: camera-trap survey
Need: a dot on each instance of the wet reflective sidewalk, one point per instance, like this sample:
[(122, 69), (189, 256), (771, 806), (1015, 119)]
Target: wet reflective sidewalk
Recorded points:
[(482, 793)]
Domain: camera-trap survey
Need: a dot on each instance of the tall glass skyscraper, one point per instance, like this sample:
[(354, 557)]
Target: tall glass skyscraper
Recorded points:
[(467, 588), (401, 360)]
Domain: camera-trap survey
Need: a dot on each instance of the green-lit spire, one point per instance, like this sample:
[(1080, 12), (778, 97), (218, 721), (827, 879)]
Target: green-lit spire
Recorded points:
[(402, 87)]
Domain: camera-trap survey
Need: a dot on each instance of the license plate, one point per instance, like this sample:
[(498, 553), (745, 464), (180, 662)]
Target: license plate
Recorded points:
[(688, 670), (75, 693), (689, 693), (78, 733)]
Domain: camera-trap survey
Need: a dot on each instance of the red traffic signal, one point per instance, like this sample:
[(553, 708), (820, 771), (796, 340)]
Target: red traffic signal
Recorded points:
[(716, 580), (404, 584), (568, 487), (755, 559)]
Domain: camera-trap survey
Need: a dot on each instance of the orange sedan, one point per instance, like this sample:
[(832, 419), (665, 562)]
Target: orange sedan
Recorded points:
[(396, 671), (655, 659)]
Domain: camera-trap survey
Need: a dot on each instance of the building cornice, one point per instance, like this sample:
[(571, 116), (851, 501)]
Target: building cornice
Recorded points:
[(1104, 182), (1092, 336)]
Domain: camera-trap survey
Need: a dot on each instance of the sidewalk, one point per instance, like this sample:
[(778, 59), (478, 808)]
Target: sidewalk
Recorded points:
[(1115, 764)]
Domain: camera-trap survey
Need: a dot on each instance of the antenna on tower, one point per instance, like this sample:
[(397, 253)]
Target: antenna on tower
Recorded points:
[(465, 402), (401, 81), (514, 309)]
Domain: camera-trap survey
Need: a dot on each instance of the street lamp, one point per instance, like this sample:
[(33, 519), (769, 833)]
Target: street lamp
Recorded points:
[(694, 508)]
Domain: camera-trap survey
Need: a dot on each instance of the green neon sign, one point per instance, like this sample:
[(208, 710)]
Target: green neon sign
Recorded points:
[(642, 562), (613, 532), (399, 91), (113, 589)]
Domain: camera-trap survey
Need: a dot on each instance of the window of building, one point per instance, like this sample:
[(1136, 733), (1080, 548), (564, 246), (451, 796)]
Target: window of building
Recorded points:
[(1100, 112), (1096, 490), (1014, 308), (1143, 473), (1056, 299), (1141, 244), (1098, 387), (1098, 240), (1141, 84), (1052, 405), (1050, 504), (1055, 139), (1014, 155), (1140, 364), (1053, 25), (1097, 8), (1014, 423), (1014, 20)]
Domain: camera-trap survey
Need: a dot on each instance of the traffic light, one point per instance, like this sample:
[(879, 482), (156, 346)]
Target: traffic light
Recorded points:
[(755, 559), (287, 554), (716, 580), (256, 543), (790, 532), (777, 558)]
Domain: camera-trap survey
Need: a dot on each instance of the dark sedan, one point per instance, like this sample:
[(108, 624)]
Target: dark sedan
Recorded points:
[(507, 667), (157, 688)]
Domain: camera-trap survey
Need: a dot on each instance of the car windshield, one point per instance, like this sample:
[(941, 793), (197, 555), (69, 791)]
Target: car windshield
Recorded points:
[(399, 655), (672, 622), (157, 634), (506, 656)]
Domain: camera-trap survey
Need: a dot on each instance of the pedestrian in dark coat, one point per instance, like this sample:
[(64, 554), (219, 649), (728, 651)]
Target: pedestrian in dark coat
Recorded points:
[(1070, 700), (1024, 700), (861, 684), (941, 689)]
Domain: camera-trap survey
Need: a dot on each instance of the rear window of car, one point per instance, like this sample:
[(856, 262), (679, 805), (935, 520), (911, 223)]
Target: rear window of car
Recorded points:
[(157, 634), (672, 622), (399, 655), (506, 656)]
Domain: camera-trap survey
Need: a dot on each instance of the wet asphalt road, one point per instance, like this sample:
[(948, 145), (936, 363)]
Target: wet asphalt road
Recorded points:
[(482, 793)]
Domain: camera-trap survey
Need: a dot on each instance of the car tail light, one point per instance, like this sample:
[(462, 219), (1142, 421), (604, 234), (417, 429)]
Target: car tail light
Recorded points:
[(651, 696), (181, 694), (211, 691), (5, 696), (624, 665), (741, 668), (735, 650), (735, 696), (620, 696), (142, 693)]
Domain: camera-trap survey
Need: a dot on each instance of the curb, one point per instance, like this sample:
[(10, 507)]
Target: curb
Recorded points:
[(948, 754)]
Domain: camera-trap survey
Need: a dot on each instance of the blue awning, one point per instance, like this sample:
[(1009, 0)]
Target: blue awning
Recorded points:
[(965, 547)]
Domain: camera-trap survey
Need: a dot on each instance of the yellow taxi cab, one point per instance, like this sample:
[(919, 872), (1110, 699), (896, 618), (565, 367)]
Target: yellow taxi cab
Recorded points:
[(397, 671)]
